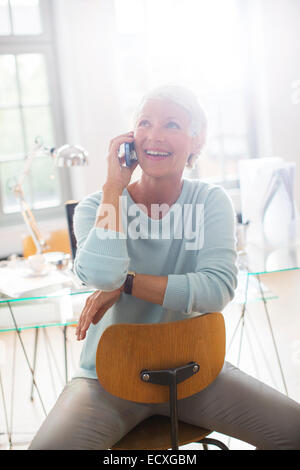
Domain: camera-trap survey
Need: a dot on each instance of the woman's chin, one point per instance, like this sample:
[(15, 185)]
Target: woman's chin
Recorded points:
[(155, 171), (155, 168)]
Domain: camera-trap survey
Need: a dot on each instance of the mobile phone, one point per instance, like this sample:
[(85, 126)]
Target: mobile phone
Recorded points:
[(130, 155)]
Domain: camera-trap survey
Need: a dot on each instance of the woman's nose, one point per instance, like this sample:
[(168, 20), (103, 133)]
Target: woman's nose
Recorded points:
[(155, 134)]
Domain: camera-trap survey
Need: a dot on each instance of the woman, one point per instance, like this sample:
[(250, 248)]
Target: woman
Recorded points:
[(145, 276)]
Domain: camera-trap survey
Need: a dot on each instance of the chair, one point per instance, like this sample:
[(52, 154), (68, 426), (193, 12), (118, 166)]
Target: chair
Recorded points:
[(70, 208), (156, 363), (57, 240)]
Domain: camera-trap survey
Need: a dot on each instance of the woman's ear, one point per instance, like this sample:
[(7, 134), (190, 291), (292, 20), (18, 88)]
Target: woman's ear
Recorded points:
[(198, 143), (192, 158)]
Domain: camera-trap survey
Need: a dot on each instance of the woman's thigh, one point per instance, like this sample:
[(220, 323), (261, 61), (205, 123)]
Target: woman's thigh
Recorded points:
[(85, 416), (240, 406)]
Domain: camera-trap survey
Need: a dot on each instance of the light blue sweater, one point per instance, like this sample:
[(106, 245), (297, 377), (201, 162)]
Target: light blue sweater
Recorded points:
[(202, 276)]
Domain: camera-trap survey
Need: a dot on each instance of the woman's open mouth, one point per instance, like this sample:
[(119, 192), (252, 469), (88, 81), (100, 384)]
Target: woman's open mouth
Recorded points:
[(157, 154)]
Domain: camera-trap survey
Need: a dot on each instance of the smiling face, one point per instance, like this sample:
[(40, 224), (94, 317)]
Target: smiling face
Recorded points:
[(162, 138)]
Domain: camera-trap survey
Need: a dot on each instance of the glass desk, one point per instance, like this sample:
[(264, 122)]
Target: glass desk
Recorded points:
[(253, 262), (23, 313), (10, 322), (256, 260)]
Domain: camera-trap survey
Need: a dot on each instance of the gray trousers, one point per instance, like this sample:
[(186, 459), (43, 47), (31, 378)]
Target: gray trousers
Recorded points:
[(85, 416)]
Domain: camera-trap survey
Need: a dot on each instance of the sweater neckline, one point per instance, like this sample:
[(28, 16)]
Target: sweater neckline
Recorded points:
[(157, 221)]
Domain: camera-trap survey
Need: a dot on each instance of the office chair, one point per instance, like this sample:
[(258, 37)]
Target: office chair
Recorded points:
[(57, 240), (162, 362), (70, 207)]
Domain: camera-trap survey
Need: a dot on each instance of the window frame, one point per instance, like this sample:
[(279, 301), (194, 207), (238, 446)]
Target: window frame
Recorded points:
[(44, 44)]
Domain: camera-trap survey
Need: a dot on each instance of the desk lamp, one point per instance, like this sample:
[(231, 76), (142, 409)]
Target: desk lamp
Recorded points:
[(64, 156)]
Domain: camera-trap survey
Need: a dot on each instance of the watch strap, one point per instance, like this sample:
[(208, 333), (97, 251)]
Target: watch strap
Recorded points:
[(129, 282)]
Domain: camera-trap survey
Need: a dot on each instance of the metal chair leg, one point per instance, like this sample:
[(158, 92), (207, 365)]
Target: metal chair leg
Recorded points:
[(213, 442), (171, 377)]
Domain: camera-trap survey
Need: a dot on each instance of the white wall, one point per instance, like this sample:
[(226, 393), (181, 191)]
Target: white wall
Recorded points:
[(85, 45), (281, 20)]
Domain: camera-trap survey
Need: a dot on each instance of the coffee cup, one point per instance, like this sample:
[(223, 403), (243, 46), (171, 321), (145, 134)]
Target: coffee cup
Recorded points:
[(37, 263)]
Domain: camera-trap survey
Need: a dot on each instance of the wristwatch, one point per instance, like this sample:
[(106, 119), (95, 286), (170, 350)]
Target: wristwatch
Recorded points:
[(129, 282)]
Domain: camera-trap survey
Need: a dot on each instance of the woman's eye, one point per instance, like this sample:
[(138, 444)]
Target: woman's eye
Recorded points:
[(172, 125), (144, 122)]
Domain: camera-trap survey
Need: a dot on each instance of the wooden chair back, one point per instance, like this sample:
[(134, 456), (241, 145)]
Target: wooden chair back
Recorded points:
[(124, 350)]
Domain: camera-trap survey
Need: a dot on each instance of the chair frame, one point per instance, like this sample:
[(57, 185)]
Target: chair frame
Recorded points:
[(172, 377), (163, 365)]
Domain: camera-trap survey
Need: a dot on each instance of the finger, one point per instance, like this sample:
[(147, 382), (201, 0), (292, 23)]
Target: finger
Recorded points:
[(122, 160), (88, 309), (121, 137), (78, 328), (82, 316), (90, 305), (129, 133), (85, 327), (88, 319), (117, 142)]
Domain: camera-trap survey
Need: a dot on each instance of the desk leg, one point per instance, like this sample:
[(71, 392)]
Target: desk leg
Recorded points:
[(272, 335), (242, 333), (241, 319), (36, 334), (5, 413), (66, 353), (26, 357), (256, 335)]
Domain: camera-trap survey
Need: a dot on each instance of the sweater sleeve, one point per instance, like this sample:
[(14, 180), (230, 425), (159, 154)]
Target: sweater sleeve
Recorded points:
[(101, 258), (212, 285)]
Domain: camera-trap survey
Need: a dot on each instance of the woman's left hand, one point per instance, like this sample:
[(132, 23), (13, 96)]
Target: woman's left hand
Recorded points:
[(95, 307)]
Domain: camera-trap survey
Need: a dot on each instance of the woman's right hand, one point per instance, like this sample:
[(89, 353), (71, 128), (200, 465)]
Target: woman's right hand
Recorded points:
[(95, 307), (117, 172)]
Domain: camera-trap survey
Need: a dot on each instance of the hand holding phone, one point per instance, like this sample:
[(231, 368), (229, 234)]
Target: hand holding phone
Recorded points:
[(118, 172)]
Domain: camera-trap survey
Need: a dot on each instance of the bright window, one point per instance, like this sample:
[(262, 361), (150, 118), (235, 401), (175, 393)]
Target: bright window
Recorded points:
[(26, 103), (20, 17)]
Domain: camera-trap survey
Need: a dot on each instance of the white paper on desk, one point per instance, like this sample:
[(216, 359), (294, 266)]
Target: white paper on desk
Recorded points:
[(16, 282)]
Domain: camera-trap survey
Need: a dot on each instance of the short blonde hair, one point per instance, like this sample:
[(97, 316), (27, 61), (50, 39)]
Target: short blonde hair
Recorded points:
[(185, 98)]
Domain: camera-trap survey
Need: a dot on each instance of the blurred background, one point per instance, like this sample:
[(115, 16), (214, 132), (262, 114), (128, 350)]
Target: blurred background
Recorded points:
[(73, 71)]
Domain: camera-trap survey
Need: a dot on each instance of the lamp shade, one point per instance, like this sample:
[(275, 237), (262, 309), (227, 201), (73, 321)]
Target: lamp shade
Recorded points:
[(70, 155)]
